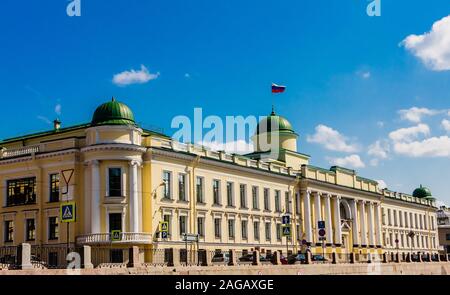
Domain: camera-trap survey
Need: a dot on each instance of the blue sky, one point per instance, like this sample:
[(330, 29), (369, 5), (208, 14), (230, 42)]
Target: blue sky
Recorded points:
[(348, 75)]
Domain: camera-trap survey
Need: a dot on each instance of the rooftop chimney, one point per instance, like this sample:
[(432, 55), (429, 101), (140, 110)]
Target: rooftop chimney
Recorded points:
[(57, 124)]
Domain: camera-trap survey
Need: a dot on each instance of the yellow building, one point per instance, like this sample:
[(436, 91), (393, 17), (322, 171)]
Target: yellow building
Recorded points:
[(128, 180)]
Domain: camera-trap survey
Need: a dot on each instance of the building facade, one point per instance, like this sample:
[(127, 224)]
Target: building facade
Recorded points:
[(443, 217), (129, 180)]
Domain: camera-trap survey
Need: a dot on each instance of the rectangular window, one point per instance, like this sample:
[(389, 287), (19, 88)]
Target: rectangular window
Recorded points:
[(30, 230), (268, 231), (201, 226), (54, 187), (256, 230), (9, 231), (406, 219), (244, 229), (277, 201), (53, 230), (21, 191), (242, 194), (182, 187), (217, 228), (389, 217), (167, 179), (230, 194), (199, 187), (447, 237), (115, 221), (255, 197), (278, 231), (266, 199), (287, 200), (216, 192), (183, 228), (115, 182), (231, 228)]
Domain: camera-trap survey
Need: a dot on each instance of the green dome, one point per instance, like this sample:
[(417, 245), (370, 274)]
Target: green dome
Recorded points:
[(265, 125), (113, 113), (422, 193)]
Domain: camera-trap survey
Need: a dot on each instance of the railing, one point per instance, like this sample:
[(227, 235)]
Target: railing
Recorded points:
[(52, 256), (8, 257), (109, 257), (155, 257), (105, 238), (28, 150)]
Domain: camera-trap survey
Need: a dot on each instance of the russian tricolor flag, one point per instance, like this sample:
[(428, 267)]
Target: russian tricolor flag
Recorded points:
[(278, 88)]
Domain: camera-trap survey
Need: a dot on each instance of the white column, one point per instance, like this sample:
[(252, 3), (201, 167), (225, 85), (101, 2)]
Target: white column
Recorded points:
[(355, 224), (95, 198), (337, 221), (371, 224), (318, 214), (87, 196), (378, 225), (362, 217), (307, 206), (328, 220), (134, 197)]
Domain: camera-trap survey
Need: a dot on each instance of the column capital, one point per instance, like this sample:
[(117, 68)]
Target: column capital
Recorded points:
[(362, 202), (91, 163), (135, 163)]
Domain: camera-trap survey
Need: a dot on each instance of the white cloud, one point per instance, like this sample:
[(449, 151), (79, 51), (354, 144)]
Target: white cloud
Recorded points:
[(331, 140), (446, 125), (44, 119), (416, 114), (141, 76), (374, 162), (409, 134), (381, 184), (236, 147), (430, 147), (58, 108), (433, 47), (379, 149), (352, 161), (380, 124)]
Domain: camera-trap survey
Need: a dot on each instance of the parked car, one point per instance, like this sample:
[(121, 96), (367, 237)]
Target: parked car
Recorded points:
[(267, 258), (319, 258), (246, 257), (221, 257), (283, 260)]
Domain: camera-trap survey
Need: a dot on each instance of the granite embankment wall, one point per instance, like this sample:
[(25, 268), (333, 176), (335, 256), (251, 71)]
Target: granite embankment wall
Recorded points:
[(435, 268)]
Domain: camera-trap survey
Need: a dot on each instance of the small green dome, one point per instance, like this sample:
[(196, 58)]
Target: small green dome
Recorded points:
[(422, 193), (265, 125), (113, 113)]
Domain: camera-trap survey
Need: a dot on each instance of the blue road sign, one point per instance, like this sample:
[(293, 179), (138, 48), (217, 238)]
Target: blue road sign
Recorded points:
[(67, 212), (321, 224), (164, 235), (286, 219)]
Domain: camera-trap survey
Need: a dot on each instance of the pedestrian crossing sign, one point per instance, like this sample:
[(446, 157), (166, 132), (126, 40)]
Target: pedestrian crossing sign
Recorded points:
[(163, 226), (67, 212), (115, 235), (286, 231)]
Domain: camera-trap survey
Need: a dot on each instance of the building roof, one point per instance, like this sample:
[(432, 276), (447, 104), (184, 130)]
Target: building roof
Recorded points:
[(281, 124), (423, 193), (113, 113)]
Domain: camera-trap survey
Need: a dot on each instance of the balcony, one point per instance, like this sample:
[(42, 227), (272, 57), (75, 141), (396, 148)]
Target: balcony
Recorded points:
[(105, 239)]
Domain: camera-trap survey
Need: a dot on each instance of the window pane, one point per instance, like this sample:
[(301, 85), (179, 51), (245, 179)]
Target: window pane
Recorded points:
[(54, 188), (115, 182), (21, 191)]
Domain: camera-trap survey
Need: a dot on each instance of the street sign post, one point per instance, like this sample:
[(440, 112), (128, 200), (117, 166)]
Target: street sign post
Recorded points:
[(67, 213), (287, 233), (321, 224), (164, 229), (286, 219), (190, 237)]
